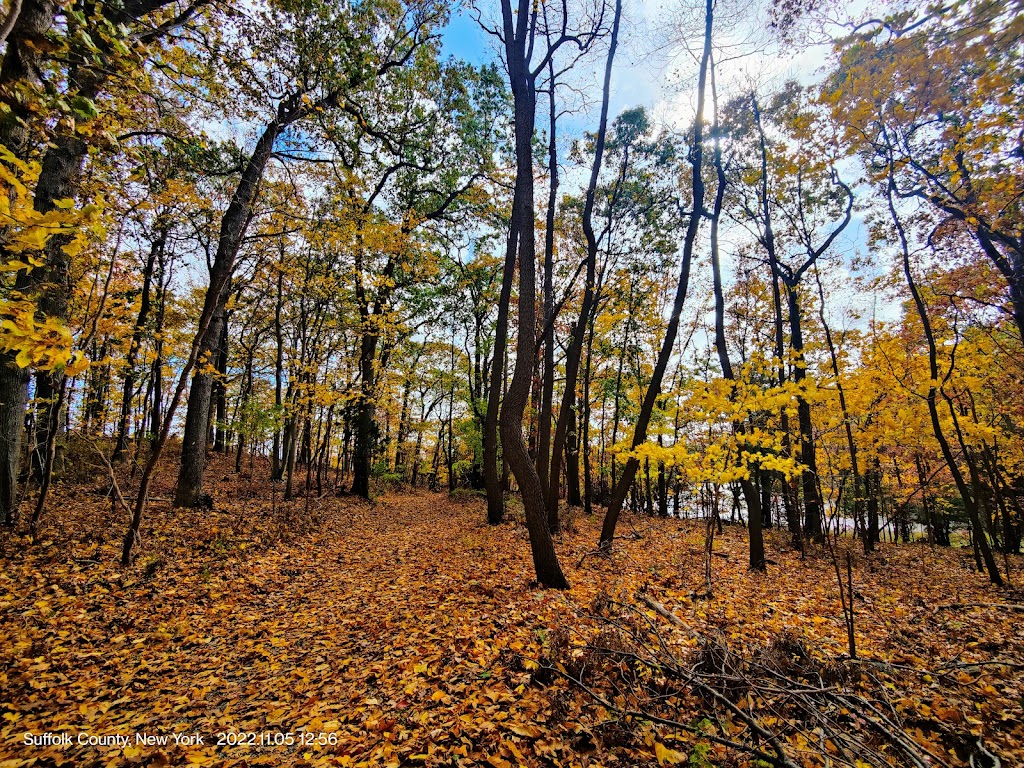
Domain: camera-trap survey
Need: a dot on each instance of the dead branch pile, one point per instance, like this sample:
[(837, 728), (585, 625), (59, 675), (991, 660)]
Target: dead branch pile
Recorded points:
[(780, 703)]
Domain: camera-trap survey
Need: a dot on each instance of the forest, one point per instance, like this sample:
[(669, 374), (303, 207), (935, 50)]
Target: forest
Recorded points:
[(553, 383)]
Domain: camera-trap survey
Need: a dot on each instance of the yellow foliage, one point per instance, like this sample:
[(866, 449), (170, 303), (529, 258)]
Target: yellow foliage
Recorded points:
[(44, 345), (41, 343)]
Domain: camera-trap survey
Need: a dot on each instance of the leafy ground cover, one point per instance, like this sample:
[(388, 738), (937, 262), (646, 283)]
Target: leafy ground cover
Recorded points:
[(408, 632)]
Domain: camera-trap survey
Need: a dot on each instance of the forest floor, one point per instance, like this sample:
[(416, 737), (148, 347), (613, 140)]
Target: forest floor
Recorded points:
[(408, 632)]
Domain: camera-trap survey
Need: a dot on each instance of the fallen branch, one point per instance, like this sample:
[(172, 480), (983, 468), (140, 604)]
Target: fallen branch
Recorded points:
[(649, 668), (945, 669), (112, 475), (661, 610), (593, 553)]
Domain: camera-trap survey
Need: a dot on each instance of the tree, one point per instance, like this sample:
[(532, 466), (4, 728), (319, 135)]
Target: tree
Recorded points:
[(329, 80), (697, 187), (939, 92), (518, 32)]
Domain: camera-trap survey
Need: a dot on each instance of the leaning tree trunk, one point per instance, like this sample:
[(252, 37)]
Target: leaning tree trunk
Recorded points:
[(575, 350), (233, 227), (621, 488), (970, 499)]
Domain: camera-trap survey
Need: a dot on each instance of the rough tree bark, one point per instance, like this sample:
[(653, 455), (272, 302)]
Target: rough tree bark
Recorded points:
[(189, 491)]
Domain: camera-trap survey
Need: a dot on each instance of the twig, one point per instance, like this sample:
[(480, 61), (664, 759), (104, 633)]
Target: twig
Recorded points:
[(112, 475), (945, 669), (593, 553), (661, 610), (890, 729), (779, 759)]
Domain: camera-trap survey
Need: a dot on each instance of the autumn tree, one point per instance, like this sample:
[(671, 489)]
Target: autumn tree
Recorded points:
[(311, 49), (57, 63), (520, 31), (939, 92)]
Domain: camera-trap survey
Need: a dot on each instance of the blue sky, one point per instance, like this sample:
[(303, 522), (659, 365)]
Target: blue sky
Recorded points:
[(464, 39)]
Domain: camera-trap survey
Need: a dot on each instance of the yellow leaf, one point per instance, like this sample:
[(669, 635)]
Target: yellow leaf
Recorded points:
[(666, 755)]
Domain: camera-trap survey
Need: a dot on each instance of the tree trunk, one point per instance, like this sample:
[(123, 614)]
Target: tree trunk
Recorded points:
[(60, 177), (654, 387), (13, 399), (572, 460), (276, 463), (969, 499), (233, 227), (851, 445), (128, 390), (545, 560), (548, 382), (365, 430), (220, 391), (750, 495), (809, 476), (575, 349), (194, 444)]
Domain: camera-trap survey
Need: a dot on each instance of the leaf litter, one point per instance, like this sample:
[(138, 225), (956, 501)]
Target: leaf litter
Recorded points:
[(408, 632)]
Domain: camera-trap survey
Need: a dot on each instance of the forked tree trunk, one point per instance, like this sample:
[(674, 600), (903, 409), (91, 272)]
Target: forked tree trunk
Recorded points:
[(523, 82)]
